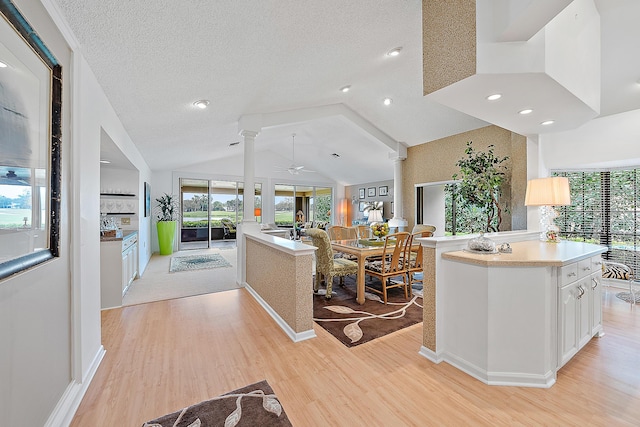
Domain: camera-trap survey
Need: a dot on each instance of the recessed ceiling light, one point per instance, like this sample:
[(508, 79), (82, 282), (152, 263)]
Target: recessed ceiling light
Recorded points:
[(548, 122), (494, 97), (525, 111), (202, 104), (106, 162), (387, 101), (345, 89), (3, 65), (394, 52)]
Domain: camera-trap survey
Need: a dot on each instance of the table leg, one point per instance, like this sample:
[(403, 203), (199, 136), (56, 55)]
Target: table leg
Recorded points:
[(360, 282)]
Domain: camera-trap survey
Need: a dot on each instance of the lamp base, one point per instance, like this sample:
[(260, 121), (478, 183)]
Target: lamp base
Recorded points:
[(549, 232)]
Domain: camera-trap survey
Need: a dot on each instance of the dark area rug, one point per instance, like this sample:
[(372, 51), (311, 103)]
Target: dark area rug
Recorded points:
[(197, 262), (253, 405), (626, 296), (354, 324)]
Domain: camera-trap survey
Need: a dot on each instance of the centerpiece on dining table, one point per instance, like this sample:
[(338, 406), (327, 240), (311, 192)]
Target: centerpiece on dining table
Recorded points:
[(379, 229)]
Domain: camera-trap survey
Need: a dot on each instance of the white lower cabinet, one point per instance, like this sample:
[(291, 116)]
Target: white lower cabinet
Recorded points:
[(580, 305), (118, 269)]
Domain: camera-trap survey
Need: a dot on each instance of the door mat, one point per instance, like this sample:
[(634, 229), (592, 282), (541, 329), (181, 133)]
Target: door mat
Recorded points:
[(626, 296), (197, 262)]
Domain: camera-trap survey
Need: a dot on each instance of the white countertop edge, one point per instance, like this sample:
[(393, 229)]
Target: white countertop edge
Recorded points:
[(565, 253), (290, 247), (455, 242)]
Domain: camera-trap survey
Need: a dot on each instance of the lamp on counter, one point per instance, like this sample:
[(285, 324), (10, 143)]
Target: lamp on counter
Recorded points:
[(375, 215), (257, 212), (547, 193)]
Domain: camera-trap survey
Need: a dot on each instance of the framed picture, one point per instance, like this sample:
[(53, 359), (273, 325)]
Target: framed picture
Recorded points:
[(147, 199), (362, 205), (30, 162), (371, 191), (383, 191), (361, 193)]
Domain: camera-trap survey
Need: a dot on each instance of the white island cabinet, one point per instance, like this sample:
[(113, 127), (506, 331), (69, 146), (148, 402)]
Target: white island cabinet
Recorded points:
[(118, 267), (516, 318)]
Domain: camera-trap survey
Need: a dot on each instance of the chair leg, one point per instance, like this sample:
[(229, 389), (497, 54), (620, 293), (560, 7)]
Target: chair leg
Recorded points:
[(316, 283), (384, 290), (329, 280)]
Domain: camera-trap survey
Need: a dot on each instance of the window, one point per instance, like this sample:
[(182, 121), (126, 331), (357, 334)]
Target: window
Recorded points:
[(314, 203), (30, 132), (604, 209)]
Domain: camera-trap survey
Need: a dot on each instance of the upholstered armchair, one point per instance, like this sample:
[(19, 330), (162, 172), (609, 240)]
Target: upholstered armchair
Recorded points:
[(326, 265), (229, 228)]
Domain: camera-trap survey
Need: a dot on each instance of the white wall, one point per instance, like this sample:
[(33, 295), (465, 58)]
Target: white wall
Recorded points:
[(50, 315), (35, 306)]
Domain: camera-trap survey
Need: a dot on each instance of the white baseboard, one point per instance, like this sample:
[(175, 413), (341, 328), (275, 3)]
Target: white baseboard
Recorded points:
[(295, 336), (430, 354), (516, 379), (66, 408)]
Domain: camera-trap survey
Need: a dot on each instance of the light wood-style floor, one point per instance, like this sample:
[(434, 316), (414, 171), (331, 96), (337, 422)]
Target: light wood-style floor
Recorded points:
[(166, 355)]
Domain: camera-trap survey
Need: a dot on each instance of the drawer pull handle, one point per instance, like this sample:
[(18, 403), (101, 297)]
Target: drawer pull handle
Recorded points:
[(595, 283), (571, 274), (587, 268)]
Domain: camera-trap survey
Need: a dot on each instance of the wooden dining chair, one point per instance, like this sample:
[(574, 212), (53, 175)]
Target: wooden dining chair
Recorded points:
[(393, 263), (326, 265), (364, 231), (338, 232), (415, 254)]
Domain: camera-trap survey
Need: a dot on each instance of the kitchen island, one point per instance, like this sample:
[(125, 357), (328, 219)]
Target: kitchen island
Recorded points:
[(516, 318)]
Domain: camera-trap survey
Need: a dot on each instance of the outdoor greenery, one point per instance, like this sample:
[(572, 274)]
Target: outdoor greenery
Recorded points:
[(481, 176)]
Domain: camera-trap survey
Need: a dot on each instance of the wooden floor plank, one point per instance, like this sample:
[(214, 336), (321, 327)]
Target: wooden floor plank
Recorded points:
[(166, 355)]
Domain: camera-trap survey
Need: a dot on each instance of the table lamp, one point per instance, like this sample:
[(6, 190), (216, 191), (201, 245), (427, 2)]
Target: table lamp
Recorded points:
[(375, 215), (547, 193)]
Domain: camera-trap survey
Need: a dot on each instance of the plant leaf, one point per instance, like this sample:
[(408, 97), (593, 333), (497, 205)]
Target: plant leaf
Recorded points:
[(353, 332), (339, 309), (272, 405), (234, 417)]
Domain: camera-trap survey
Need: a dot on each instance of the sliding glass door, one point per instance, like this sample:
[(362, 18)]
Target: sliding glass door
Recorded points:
[(211, 210)]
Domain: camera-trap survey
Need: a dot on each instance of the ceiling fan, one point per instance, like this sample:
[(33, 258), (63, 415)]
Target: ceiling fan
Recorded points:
[(294, 169)]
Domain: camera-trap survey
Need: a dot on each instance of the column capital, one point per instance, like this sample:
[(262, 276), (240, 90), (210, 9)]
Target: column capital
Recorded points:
[(400, 153), (248, 133)]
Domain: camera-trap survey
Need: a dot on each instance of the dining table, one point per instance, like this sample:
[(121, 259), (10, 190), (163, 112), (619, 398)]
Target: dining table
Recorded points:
[(361, 249)]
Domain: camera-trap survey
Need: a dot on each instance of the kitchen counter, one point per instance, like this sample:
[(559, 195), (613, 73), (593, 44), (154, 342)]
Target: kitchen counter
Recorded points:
[(530, 254), (120, 235), (515, 319)]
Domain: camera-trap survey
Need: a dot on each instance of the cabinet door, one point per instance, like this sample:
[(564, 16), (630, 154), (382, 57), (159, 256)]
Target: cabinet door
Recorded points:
[(584, 311), (125, 271), (568, 322), (596, 304)]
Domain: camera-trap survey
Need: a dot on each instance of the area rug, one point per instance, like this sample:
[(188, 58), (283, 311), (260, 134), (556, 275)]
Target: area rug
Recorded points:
[(354, 324), (197, 262), (626, 296), (253, 405)]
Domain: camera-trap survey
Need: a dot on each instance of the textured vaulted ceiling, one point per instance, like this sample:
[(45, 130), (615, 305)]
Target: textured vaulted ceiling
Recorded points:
[(155, 58)]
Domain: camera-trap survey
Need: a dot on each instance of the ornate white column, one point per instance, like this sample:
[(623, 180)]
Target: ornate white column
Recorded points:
[(249, 175), (398, 218)]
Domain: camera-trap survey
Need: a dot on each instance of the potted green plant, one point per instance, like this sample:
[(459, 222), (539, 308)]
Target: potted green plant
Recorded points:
[(481, 175), (167, 213)]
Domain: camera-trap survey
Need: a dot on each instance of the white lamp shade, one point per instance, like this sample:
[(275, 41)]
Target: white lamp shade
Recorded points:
[(375, 216), (553, 191)]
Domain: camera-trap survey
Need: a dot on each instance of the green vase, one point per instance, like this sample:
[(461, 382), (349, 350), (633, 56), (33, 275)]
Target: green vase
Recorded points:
[(166, 236)]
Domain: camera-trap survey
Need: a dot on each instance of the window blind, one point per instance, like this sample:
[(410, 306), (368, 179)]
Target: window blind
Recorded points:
[(604, 209)]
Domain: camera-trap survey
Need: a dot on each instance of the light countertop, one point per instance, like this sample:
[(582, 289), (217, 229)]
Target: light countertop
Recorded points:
[(531, 254)]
